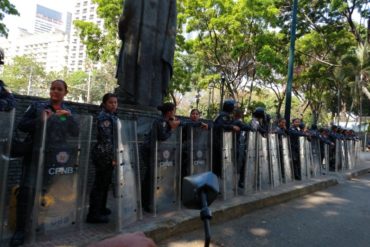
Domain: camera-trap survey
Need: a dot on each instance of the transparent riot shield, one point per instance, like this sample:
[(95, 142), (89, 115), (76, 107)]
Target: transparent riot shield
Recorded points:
[(309, 158), (351, 154), (338, 155), (264, 179), (6, 131), (345, 155), (229, 172), (62, 158), (287, 159), (127, 175), (316, 156), (241, 155), (250, 184), (199, 152), (303, 157), (274, 159), (325, 160), (166, 177)]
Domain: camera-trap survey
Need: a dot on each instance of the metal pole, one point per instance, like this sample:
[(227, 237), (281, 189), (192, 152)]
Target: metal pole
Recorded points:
[(288, 102)]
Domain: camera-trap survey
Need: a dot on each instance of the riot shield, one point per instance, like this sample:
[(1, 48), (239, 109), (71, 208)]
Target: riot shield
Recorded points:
[(241, 154), (6, 131), (344, 155), (274, 160), (303, 157), (251, 164), (62, 160), (127, 176), (309, 158), (264, 181), (338, 155), (326, 160), (229, 173), (287, 160), (199, 152), (316, 156), (166, 177)]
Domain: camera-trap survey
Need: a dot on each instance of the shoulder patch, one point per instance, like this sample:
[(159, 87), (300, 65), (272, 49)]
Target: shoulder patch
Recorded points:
[(106, 123)]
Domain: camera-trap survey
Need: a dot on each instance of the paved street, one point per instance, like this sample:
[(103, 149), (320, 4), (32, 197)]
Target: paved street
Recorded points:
[(338, 216)]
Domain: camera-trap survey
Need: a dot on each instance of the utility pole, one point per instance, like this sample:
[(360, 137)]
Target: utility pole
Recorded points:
[(29, 82), (288, 102)]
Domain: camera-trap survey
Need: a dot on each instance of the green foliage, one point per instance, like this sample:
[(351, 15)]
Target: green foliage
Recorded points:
[(23, 71), (102, 44), (6, 8)]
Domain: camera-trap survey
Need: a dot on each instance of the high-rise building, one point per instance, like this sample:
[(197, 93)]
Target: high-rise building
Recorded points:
[(83, 10), (50, 49), (48, 20)]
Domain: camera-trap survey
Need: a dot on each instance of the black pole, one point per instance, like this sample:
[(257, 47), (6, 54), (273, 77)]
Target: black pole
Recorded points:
[(288, 102), (206, 215)]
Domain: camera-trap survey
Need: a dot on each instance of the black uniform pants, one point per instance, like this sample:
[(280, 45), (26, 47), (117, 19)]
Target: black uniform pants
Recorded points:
[(99, 192)]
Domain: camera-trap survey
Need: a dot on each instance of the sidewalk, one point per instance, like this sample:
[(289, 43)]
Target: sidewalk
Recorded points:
[(174, 223)]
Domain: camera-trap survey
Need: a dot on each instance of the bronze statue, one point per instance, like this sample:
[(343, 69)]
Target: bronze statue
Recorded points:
[(147, 29)]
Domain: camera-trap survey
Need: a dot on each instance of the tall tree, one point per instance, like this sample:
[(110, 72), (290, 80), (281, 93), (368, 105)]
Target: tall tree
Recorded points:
[(6, 8)]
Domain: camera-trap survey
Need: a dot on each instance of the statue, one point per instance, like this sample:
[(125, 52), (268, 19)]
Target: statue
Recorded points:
[(147, 29)]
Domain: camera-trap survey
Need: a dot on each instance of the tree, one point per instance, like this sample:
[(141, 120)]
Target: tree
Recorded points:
[(226, 34), (24, 75), (102, 44), (6, 8)]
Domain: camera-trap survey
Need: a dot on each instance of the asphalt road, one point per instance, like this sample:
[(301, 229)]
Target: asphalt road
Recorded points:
[(338, 216)]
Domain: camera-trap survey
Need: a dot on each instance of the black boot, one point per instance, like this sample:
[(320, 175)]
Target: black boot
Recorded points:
[(17, 239), (91, 218), (105, 211)]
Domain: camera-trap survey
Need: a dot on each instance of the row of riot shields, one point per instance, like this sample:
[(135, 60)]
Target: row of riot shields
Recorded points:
[(342, 156), (189, 153), (60, 158), (6, 130)]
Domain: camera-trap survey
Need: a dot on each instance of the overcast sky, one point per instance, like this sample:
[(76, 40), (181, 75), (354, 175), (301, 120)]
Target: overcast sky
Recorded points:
[(27, 11)]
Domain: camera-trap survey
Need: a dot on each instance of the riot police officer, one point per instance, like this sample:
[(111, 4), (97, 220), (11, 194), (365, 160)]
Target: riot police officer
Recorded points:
[(260, 121), (241, 144), (104, 160), (223, 122), (161, 129), (60, 124), (294, 134)]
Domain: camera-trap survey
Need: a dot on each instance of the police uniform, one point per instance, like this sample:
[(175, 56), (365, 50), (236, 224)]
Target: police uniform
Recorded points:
[(103, 157), (57, 129), (223, 122), (294, 134), (241, 138), (160, 131), (7, 100)]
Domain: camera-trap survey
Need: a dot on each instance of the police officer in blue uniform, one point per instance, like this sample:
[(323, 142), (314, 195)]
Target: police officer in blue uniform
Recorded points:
[(161, 130), (294, 134), (104, 160), (241, 140), (60, 124), (223, 122)]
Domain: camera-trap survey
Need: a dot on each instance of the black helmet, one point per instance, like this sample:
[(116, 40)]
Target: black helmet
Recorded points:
[(228, 106), (259, 112)]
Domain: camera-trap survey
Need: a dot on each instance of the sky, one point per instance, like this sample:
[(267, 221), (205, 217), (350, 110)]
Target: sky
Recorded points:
[(27, 10)]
